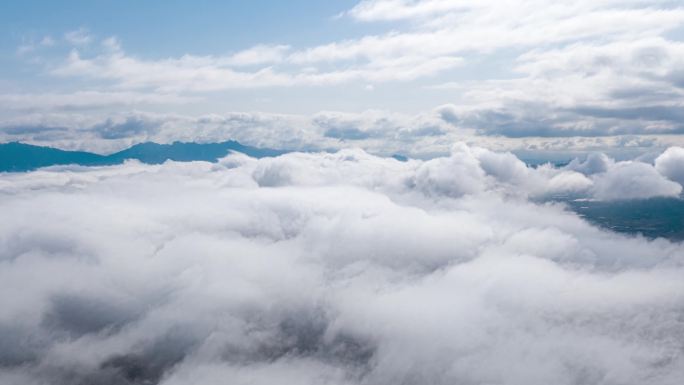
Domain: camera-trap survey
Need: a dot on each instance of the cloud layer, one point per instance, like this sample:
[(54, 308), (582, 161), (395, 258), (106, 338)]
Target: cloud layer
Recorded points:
[(517, 69), (339, 268), (423, 135)]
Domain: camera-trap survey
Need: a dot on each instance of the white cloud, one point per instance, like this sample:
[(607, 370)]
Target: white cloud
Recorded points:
[(633, 180), (586, 68), (78, 37), (488, 25), (72, 121), (47, 41), (31, 46), (324, 268), (464, 27), (593, 164), (207, 73), (378, 131), (671, 164), (373, 10), (260, 54)]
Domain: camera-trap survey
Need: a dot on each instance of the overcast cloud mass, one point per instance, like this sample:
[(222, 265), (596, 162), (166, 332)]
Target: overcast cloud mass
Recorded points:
[(336, 268)]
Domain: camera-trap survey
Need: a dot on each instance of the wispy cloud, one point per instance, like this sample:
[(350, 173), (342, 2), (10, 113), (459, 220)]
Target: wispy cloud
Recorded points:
[(78, 37), (25, 48), (209, 73)]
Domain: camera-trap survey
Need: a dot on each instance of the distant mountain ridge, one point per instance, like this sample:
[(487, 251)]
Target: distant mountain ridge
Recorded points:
[(16, 157)]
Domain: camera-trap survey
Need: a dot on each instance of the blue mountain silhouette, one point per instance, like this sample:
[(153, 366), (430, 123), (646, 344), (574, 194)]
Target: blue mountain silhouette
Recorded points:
[(15, 156)]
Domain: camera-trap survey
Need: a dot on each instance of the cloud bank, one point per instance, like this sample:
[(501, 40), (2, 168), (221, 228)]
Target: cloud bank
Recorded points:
[(423, 135), (518, 69), (340, 268)]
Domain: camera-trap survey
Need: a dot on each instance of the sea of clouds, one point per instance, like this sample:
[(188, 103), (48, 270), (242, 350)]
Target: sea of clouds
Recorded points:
[(337, 268)]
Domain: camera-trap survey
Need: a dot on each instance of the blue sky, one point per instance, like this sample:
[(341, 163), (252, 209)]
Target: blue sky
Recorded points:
[(166, 28), (384, 75)]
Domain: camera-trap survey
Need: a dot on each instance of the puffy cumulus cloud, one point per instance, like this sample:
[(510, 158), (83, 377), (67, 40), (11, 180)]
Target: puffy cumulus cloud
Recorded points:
[(329, 268), (628, 179), (468, 170), (634, 180), (592, 164), (671, 164), (422, 136), (568, 78), (597, 177), (584, 89)]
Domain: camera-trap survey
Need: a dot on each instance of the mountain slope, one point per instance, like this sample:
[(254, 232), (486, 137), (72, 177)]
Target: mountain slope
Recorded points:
[(155, 153), (24, 157), (16, 156)]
